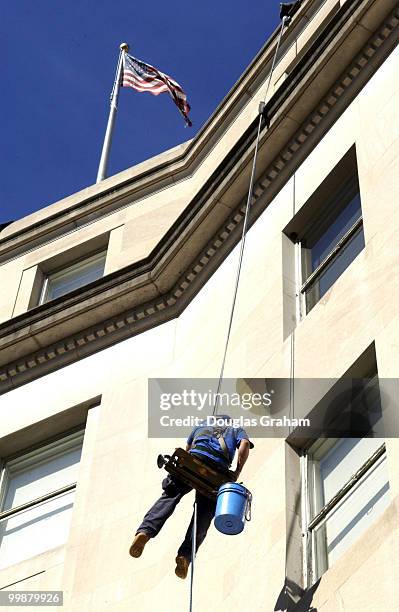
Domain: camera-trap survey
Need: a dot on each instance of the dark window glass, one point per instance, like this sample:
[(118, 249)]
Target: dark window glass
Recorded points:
[(338, 228), (334, 270), (333, 241)]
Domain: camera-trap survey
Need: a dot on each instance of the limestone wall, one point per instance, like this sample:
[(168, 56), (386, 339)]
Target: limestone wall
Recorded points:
[(118, 476)]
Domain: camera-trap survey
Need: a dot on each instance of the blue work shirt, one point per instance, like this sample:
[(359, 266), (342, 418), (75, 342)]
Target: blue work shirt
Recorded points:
[(209, 446)]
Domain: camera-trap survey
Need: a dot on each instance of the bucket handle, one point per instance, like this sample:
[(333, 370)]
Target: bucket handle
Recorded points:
[(248, 513)]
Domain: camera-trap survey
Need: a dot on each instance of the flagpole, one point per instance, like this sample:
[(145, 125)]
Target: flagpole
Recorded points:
[(102, 168)]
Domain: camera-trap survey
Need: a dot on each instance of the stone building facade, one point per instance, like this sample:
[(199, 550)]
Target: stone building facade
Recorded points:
[(132, 279)]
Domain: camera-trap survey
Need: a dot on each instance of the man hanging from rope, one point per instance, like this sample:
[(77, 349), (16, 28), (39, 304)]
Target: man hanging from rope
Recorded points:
[(215, 446)]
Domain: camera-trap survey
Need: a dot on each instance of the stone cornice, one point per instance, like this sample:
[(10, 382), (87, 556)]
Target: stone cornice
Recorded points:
[(154, 290)]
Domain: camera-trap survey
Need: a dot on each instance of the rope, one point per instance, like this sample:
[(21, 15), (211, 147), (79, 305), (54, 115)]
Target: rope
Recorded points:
[(285, 21), (193, 547), (292, 340)]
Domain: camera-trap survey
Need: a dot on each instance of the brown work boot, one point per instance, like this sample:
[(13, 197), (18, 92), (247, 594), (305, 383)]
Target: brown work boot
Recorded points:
[(137, 547), (182, 565)]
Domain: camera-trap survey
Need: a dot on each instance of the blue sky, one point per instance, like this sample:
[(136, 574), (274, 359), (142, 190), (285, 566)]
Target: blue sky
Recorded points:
[(58, 65)]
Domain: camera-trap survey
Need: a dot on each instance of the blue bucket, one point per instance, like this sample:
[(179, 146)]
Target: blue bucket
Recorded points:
[(233, 501)]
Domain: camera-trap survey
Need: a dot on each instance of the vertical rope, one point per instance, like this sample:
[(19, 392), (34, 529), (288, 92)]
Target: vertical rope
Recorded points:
[(245, 225), (285, 21), (193, 551), (292, 343)]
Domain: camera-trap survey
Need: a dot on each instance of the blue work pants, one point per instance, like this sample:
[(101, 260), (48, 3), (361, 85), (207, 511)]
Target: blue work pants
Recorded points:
[(173, 491)]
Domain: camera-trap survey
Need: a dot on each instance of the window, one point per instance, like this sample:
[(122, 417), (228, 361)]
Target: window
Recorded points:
[(331, 242), (345, 485), (345, 480), (348, 489), (325, 235), (76, 275), (37, 491), (337, 481)]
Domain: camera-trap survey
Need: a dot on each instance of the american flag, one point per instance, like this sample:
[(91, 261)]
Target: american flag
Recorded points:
[(144, 77)]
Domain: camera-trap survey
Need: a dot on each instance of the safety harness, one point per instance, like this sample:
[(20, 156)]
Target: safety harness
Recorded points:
[(212, 432)]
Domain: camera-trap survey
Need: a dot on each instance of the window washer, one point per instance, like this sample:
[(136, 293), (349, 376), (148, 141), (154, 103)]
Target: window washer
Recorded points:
[(215, 446)]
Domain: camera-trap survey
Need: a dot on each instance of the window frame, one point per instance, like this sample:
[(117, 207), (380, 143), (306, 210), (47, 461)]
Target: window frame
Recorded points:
[(62, 270), (46, 448), (313, 219), (314, 566)]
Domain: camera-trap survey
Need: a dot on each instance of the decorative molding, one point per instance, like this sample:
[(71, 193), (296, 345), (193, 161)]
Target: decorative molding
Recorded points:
[(169, 305)]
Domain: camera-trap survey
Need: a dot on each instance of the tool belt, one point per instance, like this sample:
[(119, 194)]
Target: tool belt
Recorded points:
[(198, 474)]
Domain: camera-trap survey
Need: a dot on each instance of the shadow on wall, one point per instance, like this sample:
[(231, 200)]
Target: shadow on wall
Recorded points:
[(294, 598)]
